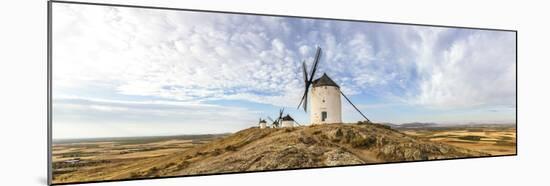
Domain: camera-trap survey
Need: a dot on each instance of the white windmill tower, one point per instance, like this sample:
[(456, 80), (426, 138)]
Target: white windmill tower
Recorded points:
[(287, 121), (326, 104), (262, 123)]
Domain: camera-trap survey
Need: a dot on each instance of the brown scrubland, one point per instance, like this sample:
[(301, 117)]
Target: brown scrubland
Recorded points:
[(255, 149)]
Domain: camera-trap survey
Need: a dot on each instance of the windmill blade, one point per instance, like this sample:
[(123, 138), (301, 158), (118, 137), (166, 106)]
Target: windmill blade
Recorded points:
[(306, 84), (305, 101), (309, 79), (315, 62), (297, 123), (270, 119), (304, 98), (305, 72), (354, 106)]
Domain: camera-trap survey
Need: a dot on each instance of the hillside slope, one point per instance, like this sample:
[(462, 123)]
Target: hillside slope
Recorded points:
[(300, 147), (312, 146)]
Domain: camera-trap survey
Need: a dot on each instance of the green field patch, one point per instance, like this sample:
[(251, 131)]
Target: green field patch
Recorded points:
[(469, 142), (476, 130), (445, 136), (505, 143), (75, 154), (506, 138), (470, 138)]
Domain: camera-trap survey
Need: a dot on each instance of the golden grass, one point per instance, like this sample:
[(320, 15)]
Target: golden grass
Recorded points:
[(493, 140), (108, 160)]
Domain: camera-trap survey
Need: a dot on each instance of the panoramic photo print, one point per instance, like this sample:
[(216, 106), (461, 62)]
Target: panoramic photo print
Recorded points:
[(149, 93)]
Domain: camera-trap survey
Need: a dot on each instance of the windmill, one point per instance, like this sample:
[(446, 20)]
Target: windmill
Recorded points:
[(262, 123), (276, 123), (288, 121), (326, 106)]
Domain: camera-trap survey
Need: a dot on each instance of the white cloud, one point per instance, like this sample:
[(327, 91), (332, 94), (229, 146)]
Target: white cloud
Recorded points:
[(193, 57), (478, 70), (175, 55)]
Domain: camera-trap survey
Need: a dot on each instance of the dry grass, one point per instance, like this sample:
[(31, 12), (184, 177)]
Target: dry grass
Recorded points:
[(270, 149), (492, 140), (112, 160)]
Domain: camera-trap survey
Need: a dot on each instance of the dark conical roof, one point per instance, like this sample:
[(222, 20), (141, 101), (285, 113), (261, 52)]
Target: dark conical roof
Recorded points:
[(324, 81), (288, 118)]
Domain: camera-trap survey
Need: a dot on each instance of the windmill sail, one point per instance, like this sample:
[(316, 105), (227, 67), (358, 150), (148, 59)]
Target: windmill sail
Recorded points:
[(280, 114), (316, 61), (306, 88), (309, 80)]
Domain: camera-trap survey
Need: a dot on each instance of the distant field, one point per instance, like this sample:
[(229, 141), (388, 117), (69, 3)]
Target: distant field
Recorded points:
[(74, 159), (495, 140)]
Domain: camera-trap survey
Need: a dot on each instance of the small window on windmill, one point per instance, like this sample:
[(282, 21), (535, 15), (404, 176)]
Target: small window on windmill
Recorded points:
[(323, 116), (323, 100)]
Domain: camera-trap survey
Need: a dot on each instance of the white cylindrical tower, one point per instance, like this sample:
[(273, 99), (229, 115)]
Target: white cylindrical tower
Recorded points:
[(287, 121), (326, 105), (263, 124)]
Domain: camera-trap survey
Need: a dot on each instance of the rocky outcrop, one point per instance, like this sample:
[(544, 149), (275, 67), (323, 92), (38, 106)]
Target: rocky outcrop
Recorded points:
[(301, 147)]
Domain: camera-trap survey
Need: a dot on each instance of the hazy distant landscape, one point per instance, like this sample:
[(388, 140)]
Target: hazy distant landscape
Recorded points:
[(300, 147), (496, 139), (71, 157)]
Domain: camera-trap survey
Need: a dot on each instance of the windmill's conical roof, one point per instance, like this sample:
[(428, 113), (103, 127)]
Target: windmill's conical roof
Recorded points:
[(324, 81), (287, 118)]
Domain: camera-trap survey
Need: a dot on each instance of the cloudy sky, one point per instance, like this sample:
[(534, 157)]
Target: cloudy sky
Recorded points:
[(139, 72)]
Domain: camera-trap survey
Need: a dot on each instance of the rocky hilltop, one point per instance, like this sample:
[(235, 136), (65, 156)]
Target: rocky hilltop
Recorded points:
[(310, 146)]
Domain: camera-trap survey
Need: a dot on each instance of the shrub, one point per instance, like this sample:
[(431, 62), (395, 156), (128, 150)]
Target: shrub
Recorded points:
[(360, 141), (230, 148), (381, 126), (134, 175), (152, 171), (339, 133), (306, 140), (216, 152), (363, 122), (182, 165)]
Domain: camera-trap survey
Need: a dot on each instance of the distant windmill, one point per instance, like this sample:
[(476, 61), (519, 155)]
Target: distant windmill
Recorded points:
[(288, 121), (326, 106), (277, 122), (262, 123), (274, 123)]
